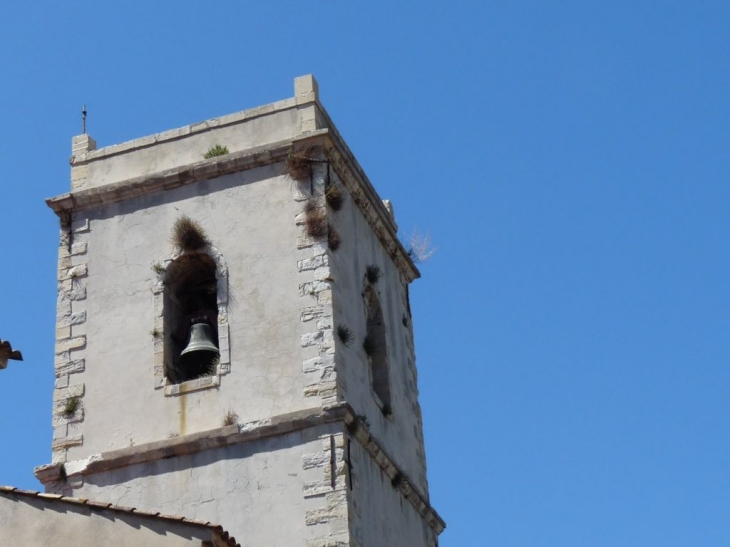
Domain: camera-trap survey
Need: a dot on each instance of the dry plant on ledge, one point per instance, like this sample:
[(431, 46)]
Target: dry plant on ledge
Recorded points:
[(188, 235), (373, 273), (231, 418), (315, 219), (333, 238), (344, 334), (334, 196), (299, 164), (419, 247)]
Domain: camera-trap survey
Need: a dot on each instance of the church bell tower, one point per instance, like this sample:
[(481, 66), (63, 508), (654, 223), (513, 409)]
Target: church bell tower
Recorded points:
[(234, 339)]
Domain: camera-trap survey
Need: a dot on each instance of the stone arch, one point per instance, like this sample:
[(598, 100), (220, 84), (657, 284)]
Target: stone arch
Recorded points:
[(377, 347)]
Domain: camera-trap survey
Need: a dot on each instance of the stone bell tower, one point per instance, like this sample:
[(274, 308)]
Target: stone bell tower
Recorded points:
[(234, 339)]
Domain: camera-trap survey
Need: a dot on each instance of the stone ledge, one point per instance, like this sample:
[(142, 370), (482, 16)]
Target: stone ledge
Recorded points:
[(234, 434), (337, 151), (206, 382), (361, 433), (170, 178), (205, 440)]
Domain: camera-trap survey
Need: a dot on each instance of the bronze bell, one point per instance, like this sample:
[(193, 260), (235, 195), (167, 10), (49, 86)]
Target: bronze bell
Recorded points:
[(201, 339)]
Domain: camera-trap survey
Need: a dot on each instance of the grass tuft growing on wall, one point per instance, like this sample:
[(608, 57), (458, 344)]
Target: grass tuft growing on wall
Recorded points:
[(216, 150), (70, 407)]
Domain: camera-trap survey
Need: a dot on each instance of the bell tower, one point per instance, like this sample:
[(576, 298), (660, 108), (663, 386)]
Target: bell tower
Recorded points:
[(234, 339)]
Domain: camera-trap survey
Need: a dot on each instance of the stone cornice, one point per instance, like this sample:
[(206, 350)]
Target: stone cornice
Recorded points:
[(253, 431), (399, 480), (171, 178), (368, 201), (342, 160)]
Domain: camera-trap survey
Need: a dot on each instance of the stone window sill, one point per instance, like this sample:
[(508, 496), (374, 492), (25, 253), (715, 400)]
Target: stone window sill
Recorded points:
[(182, 388)]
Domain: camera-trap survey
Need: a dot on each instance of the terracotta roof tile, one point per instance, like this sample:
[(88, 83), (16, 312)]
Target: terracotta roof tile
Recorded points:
[(57, 498)]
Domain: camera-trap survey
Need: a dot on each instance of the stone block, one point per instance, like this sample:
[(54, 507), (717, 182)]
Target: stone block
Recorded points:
[(81, 226), (324, 297), (313, 287), (324, 323), (78, 271), (63, 306), (70, 319), (313, 263), (60, 431), (66, 393), (79, 248), (316, 488), (62, 444), (312, 312), (318, 363), (70, 367), (338, 540), (70, 343), (60, 417), (311, 339), (326, 514), (63, 265), (80, 144), (304, 241), (322, 273), (79, 293), (319, 459), (306, 89)]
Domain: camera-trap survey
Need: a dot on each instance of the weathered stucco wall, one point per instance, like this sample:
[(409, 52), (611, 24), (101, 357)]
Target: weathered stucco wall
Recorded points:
[(275, 492), (35, 522), (250, 219), (401, 432), (378, 513)]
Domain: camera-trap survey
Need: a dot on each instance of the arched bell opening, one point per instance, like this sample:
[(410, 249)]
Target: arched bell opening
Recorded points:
[(191, 317), (376, 347)]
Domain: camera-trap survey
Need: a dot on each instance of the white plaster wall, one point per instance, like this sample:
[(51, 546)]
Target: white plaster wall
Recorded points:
[(255, 490), (401, 433), (250, 219), (379, 515), (144, 160), (29, 522)]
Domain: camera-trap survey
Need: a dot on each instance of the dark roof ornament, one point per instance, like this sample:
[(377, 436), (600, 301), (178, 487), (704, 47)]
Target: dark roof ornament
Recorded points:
[(7, 352)]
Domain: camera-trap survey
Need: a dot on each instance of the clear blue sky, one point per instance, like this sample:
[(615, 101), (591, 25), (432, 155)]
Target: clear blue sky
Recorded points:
[(570, 160)]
